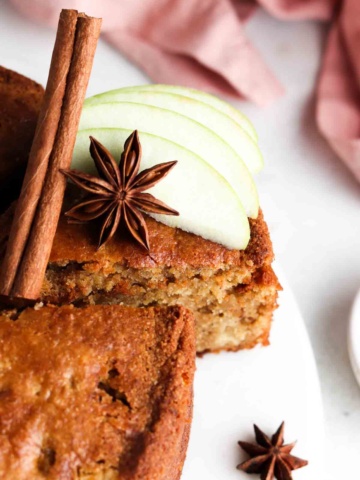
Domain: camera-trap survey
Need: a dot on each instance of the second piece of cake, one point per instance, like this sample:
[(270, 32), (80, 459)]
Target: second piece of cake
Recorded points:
[(103, 392)]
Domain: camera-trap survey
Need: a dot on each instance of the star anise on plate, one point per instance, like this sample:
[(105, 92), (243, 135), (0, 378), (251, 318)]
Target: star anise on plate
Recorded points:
[(117, 195), (270, 457)]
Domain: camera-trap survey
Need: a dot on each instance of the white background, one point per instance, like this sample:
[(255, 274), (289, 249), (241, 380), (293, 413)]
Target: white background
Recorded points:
[(311, 201)]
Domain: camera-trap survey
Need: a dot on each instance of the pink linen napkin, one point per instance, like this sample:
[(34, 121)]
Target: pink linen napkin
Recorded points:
[(202, 44)]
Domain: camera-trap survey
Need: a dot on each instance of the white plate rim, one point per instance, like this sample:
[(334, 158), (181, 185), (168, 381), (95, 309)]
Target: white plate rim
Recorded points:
[(354, 336)]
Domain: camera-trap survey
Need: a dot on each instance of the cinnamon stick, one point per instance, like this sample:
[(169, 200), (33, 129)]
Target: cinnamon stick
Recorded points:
[(42, 145), (29, 247)]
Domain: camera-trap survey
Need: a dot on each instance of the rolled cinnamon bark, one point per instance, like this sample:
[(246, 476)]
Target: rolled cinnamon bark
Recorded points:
[(41, 149), (23, 277)]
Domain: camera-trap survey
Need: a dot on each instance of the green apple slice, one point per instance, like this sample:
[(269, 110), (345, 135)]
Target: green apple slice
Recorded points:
[(182, 131), (216, 214), (210, 117), (204, 97)]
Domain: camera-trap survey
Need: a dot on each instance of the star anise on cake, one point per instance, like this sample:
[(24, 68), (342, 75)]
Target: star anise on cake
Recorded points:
[(117, 194), (270, 457)]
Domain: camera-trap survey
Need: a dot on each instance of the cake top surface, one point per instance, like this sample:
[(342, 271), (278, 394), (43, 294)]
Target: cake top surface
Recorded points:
[(94, 390), (169, 246), (77, 243)]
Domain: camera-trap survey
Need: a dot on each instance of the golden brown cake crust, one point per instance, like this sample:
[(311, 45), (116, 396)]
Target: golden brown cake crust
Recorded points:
[(169, 246), (172, 247), (103, 392), (20, 101)]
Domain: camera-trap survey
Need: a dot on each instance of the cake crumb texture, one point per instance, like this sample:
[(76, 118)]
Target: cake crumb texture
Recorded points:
[(103, 392)]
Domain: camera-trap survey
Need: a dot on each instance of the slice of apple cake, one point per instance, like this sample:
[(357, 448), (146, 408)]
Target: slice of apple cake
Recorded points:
[(232, 293)]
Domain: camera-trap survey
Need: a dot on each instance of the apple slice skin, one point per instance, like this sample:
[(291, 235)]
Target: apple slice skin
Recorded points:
[(183, 131), (204, 97), (221, 124), (216, 214)]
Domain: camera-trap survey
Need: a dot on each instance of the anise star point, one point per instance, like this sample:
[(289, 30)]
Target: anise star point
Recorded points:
[(117, 194), (269, 457)]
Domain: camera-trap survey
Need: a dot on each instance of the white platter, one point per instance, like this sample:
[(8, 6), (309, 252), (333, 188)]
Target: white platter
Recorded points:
[(263, 386)]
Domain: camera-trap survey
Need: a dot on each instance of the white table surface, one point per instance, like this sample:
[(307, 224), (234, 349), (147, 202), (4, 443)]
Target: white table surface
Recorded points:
[(311, 201)]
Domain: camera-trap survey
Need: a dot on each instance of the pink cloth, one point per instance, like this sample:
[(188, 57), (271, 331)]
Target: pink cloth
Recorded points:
[(202, 44)]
